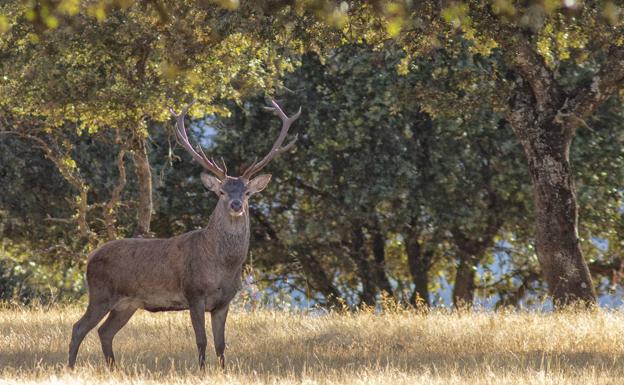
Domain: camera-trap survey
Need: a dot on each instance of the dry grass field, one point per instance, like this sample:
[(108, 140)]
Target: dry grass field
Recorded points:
[(395, 347)]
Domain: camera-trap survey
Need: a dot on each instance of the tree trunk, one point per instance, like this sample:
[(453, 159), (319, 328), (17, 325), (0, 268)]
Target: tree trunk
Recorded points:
[(321, 281), (144, 180), (379, 253), (471, 250), (419, 259), (464, 288), (544, 120), (557, 241), (360, 257), (312, 267), (419, 263), (110, 209)]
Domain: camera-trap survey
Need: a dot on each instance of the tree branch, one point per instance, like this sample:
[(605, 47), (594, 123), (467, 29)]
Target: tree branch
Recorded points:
[(586, 99), (531, 66), (71, 175), (110, 208), (521, 114), (613, 269), (310, 264)]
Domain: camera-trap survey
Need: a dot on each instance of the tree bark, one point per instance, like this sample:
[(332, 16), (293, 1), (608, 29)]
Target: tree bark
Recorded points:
[(546, 140), (419, 260), (557, 242), (379, 254), (464, 288), (419, 263), (544, 119), (470, 251), (364, 270), (144, 180)]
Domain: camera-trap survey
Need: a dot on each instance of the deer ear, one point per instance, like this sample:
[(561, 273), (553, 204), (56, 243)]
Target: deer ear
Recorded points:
[(258, 183), (212, 183)]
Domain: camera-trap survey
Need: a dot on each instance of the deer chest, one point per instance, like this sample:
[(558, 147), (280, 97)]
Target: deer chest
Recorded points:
[(222, 291), (233, 248)]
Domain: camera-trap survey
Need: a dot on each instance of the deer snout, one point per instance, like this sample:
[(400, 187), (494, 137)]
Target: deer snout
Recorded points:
[(236, 205)]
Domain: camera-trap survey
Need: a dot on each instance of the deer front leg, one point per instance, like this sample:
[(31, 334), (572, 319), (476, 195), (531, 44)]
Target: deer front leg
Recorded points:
[(217, 319), (198, 308)]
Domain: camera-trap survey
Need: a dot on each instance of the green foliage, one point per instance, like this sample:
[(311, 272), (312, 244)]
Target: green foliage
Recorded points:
[(403, 134)]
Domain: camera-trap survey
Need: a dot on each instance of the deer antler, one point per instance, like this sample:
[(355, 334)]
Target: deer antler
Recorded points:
[(200, 157), (277, 146)]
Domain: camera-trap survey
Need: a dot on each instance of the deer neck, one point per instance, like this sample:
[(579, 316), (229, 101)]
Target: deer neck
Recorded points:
[(229, 237)]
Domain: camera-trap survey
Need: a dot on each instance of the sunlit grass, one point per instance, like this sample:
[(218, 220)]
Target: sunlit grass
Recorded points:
[(395, 347)]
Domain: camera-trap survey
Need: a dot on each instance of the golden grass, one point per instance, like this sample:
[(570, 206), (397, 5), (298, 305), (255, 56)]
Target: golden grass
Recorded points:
[(399, 347)]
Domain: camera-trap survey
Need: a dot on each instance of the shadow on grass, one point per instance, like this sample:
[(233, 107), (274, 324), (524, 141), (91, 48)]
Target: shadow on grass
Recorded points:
[(288, 358)]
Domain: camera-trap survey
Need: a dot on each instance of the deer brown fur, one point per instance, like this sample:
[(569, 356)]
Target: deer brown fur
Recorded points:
[(199, 270)]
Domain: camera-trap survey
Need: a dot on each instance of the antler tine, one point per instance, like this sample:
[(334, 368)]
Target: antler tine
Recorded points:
[(183, 139), (224, 166), (277, 146)]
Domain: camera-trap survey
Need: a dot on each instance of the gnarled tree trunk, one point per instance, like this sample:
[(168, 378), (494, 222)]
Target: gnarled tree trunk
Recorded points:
[(544, 118), (557, 242)]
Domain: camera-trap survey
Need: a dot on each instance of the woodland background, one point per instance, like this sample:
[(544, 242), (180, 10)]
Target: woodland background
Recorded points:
[(414, 170)]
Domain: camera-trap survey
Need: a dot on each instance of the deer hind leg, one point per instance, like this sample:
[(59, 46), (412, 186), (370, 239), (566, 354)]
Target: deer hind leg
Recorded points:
[(116, 320), (93, 315)]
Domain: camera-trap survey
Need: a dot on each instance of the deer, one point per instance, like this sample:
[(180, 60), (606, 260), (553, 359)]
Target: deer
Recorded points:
[(199, 271)]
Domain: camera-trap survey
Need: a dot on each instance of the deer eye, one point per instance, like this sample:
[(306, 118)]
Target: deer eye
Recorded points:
[(221, 193), (247, 193)]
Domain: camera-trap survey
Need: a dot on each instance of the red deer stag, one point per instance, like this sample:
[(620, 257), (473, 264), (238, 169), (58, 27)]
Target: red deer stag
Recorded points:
[(199, 270)]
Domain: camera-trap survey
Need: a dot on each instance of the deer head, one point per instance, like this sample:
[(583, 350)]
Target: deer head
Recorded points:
[(234, 192)]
